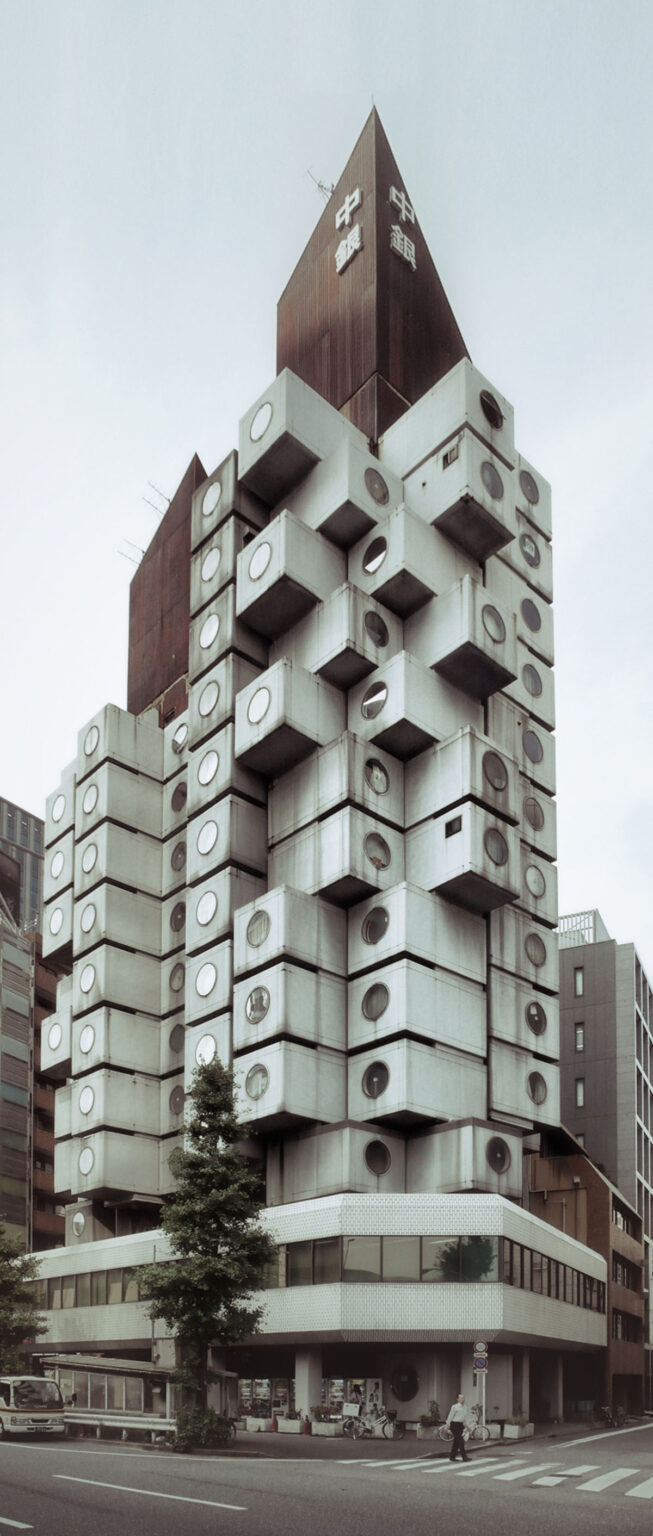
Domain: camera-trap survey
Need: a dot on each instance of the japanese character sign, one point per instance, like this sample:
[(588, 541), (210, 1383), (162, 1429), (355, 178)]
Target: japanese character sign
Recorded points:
[(348, 248), (352, 201), (403, 247), (401, 203)]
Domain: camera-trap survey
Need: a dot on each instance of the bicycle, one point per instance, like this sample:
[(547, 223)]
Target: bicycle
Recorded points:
[(366, 1427), (475, 1431)]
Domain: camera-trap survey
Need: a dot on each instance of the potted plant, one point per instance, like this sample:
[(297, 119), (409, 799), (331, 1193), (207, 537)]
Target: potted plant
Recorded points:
[(290, 1424), (518, 1427), (430, 1422), (323, 1422)]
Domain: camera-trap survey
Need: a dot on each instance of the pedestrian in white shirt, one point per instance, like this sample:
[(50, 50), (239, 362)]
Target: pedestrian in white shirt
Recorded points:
[(458, 1421)]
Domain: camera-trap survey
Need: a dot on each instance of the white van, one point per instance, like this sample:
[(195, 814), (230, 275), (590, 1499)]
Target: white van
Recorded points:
[(30, 1405)]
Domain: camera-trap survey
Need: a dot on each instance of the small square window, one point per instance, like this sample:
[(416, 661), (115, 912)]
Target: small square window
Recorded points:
[(453, 826), (579, 981), (580, 1092)]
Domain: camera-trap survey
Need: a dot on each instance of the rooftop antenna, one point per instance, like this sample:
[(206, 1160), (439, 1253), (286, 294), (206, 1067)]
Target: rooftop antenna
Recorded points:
[(322, 187), (161, 494), (136, 557)]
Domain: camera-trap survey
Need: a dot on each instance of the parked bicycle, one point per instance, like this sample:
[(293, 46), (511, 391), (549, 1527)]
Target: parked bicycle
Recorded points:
[(476, 1430), (612, 1418), (365, 1425)]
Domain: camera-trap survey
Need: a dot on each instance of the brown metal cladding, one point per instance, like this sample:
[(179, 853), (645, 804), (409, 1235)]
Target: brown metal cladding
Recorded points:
[(376, 320), (159, 602)]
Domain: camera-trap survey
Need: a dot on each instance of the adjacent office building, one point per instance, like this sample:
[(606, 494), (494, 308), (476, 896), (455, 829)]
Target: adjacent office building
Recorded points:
[(320, 844), (606, 1016)]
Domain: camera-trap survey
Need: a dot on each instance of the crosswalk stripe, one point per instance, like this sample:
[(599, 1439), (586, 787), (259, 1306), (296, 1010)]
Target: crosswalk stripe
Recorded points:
[(482, 1465), (642, 1491), (550, 1482), (454, 1466), (596, 1484), (396, 1466), (508, 1477)]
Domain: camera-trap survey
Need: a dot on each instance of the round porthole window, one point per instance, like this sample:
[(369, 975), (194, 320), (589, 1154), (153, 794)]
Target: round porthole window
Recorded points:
[(78, 1223), (58, 807), (374, 701), (375, 1079), (55, 1037), (376, 628), (531, 615), (494, 770), (257, 1004), (495, 845), (208, 698), (177, 977), (375, 555), (211, 499), (491, 409), (179, 797), (257, 1081), (90, 799), (497, 1153), (206, 979), (533, 747), (374, 925), (258, 928), (206, 909), (529, 487), (86, 1100), (179, 737), (536, 1087), (177, 1038), (205, 1050), (260, 421), (209, 631), (377, 851), (87, 978), (535, 1018), (377, 1158), (405, 1383), (208, 767), (531, 680), (86, 1160), (535, 881), (492, 480), (258, 706), (207, 837), (89, 858), (211, 564), (377, 487), (57, 864), (178, 917), (88, 917), (493, 624), (375, 1001), (533, 813), (56, 921), (377, 776), (535, 949), (178, 856), (91, 741), (87, 1039), (259, 561), (176, 1100), (529, 549)]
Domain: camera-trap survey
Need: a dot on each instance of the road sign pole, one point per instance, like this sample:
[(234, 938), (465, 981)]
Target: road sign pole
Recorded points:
[(483, 1381)]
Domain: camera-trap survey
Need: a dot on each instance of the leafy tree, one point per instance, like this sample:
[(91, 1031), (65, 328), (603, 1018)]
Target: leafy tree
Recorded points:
[(220, 1250), (19, 1316)]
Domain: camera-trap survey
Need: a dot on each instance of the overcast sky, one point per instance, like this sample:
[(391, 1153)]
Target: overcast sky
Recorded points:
[(155, 198)]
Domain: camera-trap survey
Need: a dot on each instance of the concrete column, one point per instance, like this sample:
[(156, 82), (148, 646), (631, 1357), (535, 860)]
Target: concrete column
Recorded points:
[(308, 1379), (557, 1395), (525, 1383)]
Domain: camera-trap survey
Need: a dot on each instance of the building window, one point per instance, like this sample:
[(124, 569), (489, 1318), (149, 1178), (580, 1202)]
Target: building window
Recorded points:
[(579, 1037), (580, 1092), (580, 1138), (579, 981)]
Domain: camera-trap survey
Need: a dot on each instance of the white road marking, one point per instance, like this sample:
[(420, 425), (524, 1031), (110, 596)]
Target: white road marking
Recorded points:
[(642, 1491), (597, 1484), (455, 1466), (475, 1471), (19, 1525), (393, 1466), (507, 1477), (177, 1498), (605, 1434), (550, 1482)]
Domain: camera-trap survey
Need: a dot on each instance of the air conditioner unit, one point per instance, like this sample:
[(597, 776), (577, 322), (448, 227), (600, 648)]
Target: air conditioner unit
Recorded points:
[(343, 640), (283, 716), (287, 430), (221, 496)]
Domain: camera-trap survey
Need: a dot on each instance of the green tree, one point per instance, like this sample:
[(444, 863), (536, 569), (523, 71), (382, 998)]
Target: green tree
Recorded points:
[(19, 1315), (220, 1251)]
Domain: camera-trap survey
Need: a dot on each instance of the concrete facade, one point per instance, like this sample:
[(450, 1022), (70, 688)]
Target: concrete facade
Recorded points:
[(333, 867)]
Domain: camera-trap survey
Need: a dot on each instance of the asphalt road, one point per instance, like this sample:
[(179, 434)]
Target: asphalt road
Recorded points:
[(593, 1485)]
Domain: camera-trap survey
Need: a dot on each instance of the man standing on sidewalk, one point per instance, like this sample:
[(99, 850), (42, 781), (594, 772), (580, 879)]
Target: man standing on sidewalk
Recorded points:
[(458, 1421)]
